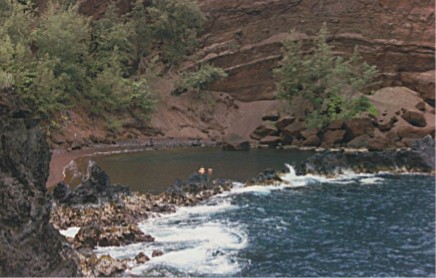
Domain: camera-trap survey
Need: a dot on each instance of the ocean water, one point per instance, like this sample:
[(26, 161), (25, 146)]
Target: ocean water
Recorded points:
[(352, 225)]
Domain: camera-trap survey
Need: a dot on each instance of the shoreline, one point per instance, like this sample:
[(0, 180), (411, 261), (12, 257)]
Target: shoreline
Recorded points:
[(61, 157)]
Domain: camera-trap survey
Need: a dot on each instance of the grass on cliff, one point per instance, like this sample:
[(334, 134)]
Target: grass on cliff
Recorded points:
[(59, 58), (332, 84)]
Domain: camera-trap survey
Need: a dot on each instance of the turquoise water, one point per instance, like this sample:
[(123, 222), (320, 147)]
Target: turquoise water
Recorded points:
[(353, 225)]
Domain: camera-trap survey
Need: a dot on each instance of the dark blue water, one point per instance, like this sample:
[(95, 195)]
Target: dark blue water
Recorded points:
[(375, 225), (384, 229)]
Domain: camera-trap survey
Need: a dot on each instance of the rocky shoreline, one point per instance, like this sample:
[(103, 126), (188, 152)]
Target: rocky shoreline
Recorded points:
[(109, 214)]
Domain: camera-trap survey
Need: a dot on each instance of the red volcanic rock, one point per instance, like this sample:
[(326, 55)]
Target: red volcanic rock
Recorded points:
[(271, 141), (245, 38), (294, 129), (309, 132), (357, 127), (359, 142), (234, 142), (337, 124), (422, 82), (312, 141), (265, 129), (414, 118), (284, 122), (333, 137)]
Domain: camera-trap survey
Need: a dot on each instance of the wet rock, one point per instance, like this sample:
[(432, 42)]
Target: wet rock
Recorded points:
[(234, 142), (141, 258), (269, 176), (108, 266), (157, 253), (263, 130), (420, 158), (94, 235), (414, 118), (94, 188)]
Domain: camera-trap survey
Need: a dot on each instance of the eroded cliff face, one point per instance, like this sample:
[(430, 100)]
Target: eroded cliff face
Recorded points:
[(29, 245), (244, 37)]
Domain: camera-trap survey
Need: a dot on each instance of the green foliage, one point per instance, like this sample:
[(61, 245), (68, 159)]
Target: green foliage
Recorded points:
[(200, 79), (331, 83), (61, 58), (174, 27)]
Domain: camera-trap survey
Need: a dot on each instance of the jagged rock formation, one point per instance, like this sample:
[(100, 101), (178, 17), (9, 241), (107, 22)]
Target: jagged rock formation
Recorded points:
[(244, 37), (29, 245), (420, 158)]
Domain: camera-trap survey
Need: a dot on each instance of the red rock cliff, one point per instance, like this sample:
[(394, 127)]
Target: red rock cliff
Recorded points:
[(243, 36)]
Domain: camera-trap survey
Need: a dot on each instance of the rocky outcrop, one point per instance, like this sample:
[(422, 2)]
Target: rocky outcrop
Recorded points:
[(402, 118), (29, 245), (94, 188), (421, 158), (244, 37)]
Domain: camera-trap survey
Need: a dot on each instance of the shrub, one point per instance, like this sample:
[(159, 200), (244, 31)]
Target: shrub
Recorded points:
[(201, 79), (331, 83)]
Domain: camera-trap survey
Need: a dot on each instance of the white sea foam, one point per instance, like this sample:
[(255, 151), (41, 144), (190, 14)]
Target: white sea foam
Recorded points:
[(196, 242), (192, 243), (70, 232)]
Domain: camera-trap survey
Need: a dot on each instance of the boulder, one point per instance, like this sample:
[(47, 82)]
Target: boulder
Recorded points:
[(108, 266), (271, 141), (408, 131), (312, 141), (157, 253), (357, 127), (333, 137), (271, 116), (378, 143), (414, 118), (420, 106), (359, 142), (309, 132), (284, 122), (264, 129), (141, 258), (336, 124), (294, 130), (234, 142), (386, 125)]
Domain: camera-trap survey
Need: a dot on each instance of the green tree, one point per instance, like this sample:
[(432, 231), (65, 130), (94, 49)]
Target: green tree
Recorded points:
[(331, 83), (200, 79), (174, 27)]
